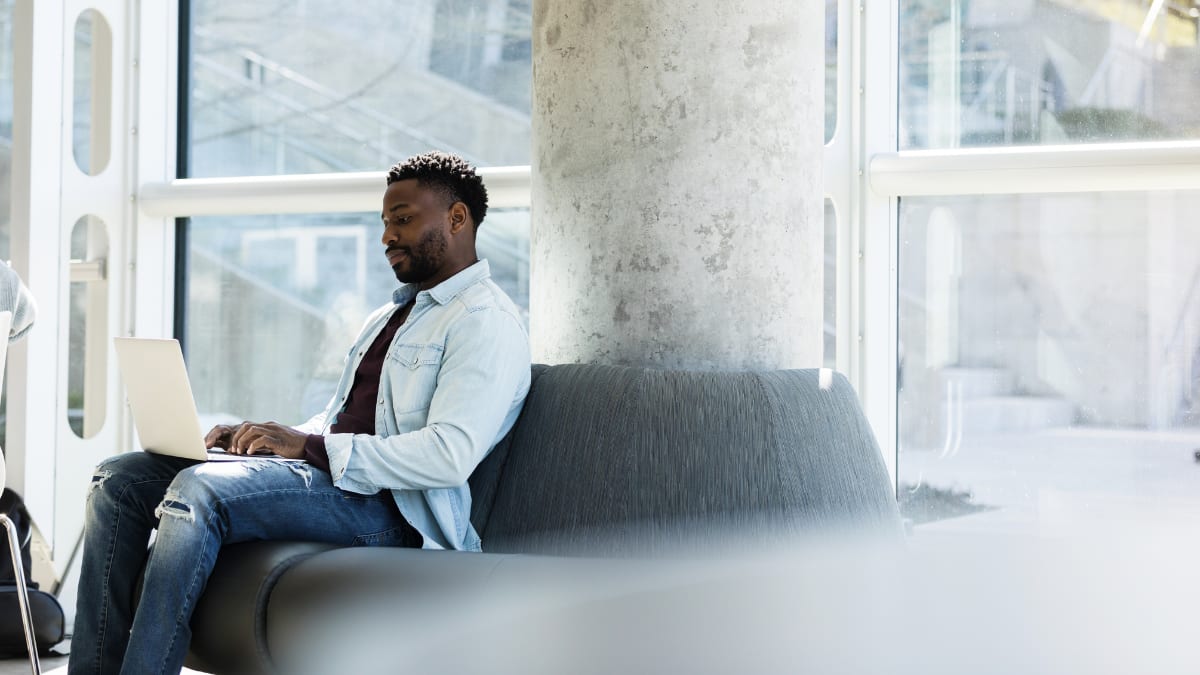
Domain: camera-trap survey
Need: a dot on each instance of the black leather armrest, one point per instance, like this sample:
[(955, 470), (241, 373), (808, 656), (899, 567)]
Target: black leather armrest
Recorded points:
[(363, 610), (229, 624)]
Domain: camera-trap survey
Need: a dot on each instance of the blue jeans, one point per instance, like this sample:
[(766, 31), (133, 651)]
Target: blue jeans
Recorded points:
[(197, 508)]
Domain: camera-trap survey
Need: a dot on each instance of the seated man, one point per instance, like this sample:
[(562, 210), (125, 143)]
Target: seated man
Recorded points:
[(434, 380)]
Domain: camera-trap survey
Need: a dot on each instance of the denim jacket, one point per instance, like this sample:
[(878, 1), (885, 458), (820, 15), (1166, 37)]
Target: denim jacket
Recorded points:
[(452, 385)]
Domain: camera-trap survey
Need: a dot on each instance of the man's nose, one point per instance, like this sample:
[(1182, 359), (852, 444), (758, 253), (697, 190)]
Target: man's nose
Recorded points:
[(389, 237)]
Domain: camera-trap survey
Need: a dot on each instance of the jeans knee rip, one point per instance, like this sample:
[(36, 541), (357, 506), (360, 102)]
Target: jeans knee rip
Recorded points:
[(303, 470), (173, 505), (98, 479), (253, 464)]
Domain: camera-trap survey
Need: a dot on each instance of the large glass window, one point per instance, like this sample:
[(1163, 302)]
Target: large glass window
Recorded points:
[(6, 122), (1050, 358), (986, 72), (323, 86), (831, 68), (273, 302), (829, 332)]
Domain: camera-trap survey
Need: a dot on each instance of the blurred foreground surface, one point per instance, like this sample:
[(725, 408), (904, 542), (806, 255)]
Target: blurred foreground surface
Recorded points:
[(1126, 602)]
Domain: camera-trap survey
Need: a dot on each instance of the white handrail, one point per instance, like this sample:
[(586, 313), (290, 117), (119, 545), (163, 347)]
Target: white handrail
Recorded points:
[(1038, 169), (508, 187)]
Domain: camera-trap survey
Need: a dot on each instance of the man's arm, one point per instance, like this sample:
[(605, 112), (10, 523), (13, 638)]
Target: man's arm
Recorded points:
[(485, 367)]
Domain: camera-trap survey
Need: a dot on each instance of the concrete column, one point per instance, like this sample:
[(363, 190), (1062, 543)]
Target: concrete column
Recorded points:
[(677, 183)]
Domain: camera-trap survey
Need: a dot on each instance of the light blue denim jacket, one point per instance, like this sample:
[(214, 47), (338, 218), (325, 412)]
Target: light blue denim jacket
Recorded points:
[(452, 385)]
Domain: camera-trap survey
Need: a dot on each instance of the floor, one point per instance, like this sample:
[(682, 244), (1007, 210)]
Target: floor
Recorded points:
[(1065, 481), (21, 666)]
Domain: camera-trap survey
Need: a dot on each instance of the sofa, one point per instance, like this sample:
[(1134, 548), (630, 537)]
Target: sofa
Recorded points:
[(605, 463)]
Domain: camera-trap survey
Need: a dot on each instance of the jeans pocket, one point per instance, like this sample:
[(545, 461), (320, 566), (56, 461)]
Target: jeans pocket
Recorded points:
[(390, 537)]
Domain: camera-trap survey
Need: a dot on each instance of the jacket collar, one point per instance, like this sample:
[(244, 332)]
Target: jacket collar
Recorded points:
[(448, 289)]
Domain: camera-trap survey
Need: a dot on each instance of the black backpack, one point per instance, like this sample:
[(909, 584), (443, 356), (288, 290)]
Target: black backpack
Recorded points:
[(49, 626)]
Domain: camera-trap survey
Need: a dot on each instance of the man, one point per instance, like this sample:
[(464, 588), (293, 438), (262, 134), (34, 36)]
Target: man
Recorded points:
[(434, 380)]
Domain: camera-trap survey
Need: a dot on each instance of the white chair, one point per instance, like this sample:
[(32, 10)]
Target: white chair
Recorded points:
[(14, 546)]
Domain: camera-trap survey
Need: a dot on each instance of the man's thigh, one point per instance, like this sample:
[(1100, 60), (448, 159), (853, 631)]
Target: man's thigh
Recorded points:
[(261, 498)]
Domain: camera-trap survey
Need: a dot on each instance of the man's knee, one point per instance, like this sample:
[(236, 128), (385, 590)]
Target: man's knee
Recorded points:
[(194, 489), (116, 471), (183, 496)]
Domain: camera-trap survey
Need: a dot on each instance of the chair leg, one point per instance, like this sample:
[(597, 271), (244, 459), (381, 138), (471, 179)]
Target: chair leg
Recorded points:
[(14, 549)]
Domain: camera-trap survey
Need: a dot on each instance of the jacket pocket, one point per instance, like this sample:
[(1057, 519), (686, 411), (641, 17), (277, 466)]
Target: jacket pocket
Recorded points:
[(414, 378)]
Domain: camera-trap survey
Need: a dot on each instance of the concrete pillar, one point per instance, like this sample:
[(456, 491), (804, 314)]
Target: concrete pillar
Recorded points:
[(677, 183)]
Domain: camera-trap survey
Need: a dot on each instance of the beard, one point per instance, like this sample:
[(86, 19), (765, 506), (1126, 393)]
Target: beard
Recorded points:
[(424, 259)]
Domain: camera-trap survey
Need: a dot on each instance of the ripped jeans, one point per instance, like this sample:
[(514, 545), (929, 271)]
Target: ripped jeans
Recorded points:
[(197, 508)]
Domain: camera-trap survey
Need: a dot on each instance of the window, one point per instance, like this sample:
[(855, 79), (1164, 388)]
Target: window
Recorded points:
[(1050, 357), (829, 332), (992, 73), (6, 122), (831, 68), (340, 86), (335, 87)]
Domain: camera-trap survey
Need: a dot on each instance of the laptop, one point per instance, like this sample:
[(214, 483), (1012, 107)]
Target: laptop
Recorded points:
[(160, 398)]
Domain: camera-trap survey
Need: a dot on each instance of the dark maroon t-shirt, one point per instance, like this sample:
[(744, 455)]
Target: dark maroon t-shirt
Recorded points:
[(358, 415)]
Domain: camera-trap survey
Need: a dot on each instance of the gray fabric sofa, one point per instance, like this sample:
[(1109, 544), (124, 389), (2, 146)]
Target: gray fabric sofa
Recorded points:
[(604, 462)]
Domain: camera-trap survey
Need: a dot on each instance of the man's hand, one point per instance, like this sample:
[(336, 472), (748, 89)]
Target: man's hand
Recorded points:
[(257, 438), (219, 437), (264, 438)]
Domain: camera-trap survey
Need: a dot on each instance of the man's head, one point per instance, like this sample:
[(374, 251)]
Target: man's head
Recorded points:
[(448, 174), (433, 205)]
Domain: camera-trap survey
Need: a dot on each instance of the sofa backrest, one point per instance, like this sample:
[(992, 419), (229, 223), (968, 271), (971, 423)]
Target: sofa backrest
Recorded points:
[(634, 457)]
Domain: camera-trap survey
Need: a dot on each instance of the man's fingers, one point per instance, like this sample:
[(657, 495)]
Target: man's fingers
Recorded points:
[(213, 437), (250, 438), (235, 439), (263, 443), (244, 436), (246, 432)]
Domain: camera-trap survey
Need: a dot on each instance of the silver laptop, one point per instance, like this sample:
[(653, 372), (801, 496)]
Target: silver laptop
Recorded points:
[(160, 398)]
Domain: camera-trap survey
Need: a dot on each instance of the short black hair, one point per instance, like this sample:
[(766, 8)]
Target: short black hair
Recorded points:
[(449, 174)]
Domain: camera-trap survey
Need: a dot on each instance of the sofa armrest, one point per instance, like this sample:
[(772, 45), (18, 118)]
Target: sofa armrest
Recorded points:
[(229, 624), (326, 612)]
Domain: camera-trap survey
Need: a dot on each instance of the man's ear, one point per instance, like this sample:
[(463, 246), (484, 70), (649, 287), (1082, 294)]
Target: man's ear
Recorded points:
[(460, 217)]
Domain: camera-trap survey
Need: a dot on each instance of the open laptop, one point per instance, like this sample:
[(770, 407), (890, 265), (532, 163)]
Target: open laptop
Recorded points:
[(160, 397)]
